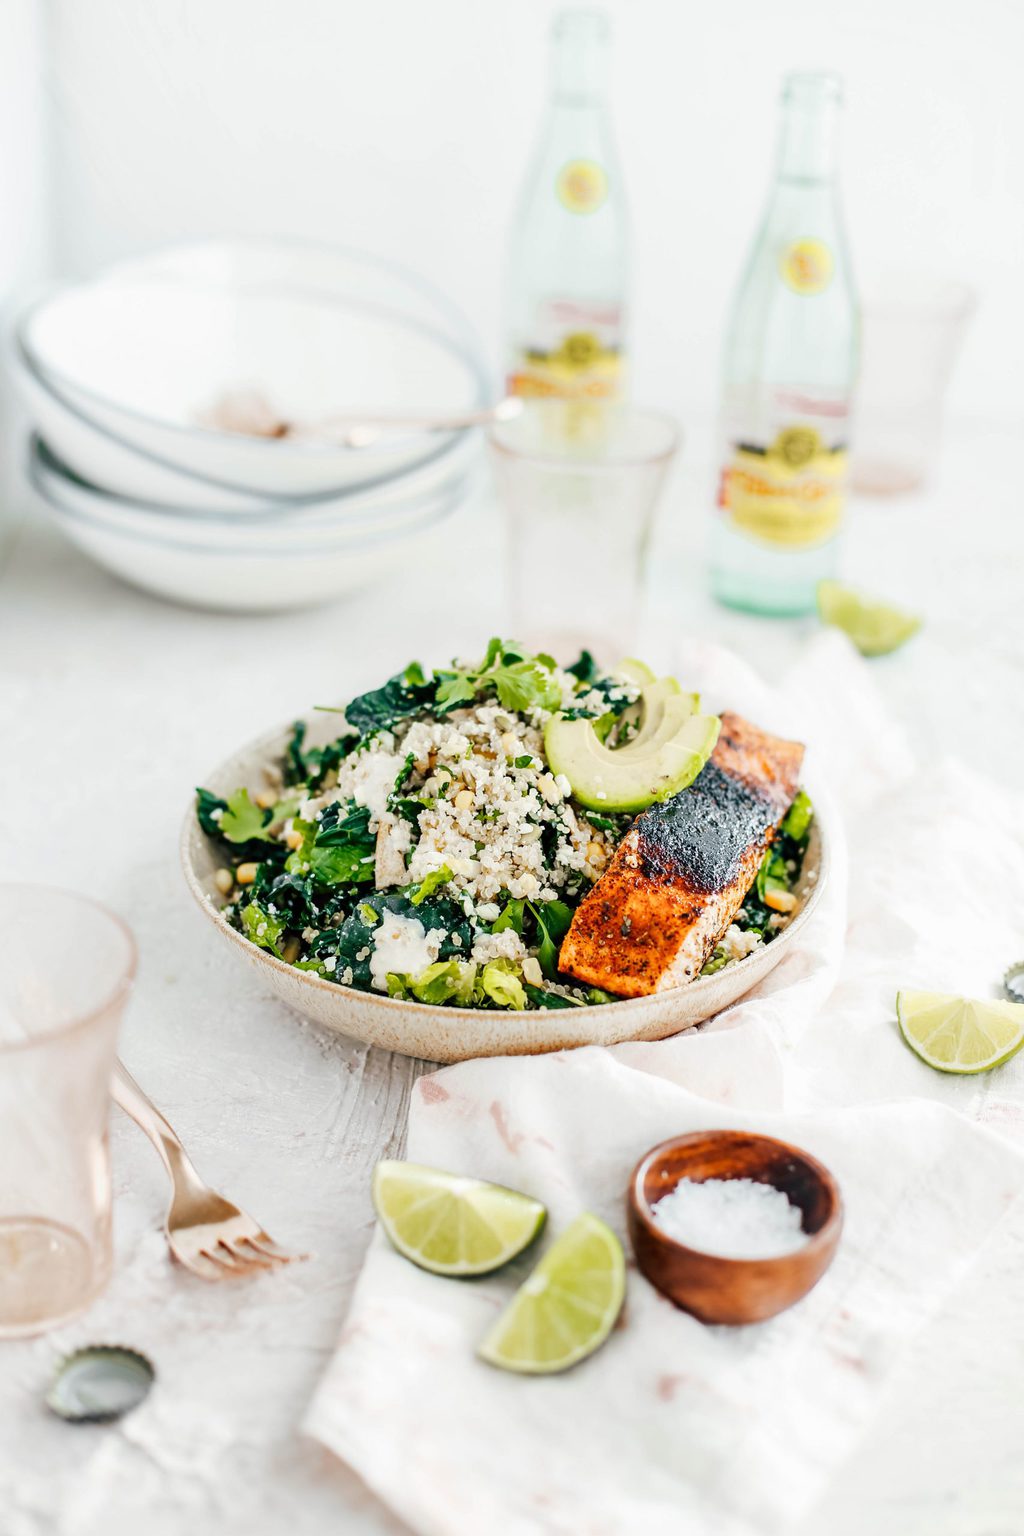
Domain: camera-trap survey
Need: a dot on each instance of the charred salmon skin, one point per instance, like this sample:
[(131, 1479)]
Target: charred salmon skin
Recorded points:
[(680, 874)]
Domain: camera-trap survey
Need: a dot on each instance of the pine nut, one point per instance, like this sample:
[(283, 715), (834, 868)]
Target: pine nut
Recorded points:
[(245, 874), (223, 880)]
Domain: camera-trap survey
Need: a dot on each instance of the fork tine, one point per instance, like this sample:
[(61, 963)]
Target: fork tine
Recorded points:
[(251, 1250), (226, 1261), (266, 1244), (200, 1264), (246, 1255)]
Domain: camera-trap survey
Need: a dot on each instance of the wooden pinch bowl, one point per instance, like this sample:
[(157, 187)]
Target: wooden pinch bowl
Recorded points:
[(721, 1290)]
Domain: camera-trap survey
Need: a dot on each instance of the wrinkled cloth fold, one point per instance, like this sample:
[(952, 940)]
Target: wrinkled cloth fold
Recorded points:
[(674, 1426)]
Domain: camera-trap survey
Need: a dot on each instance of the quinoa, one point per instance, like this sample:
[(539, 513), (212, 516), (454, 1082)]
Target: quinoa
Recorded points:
[(430, 851)]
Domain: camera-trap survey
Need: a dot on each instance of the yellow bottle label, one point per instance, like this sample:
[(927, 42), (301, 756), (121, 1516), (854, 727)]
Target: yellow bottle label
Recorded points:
[(790, 494), (806, 266), (580, 367), (582, 186)]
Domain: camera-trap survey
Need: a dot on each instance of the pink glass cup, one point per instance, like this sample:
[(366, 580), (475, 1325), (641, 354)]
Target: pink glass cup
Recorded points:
[(66, 969)]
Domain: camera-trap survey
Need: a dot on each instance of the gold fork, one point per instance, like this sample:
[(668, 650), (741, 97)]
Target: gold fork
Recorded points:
[(206, 1233)]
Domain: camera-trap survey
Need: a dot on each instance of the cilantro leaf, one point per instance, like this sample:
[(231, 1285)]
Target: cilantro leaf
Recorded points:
[(526, 685), (553, 919), (244, 822), (511, 916), (521, 681), (454, 689)]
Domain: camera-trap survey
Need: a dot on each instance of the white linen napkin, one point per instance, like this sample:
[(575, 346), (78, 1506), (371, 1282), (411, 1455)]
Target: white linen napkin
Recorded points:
[(674, 1426)]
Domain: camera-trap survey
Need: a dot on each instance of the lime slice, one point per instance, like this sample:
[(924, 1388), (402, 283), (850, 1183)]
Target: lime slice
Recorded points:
[(954, 1034), (875, 628), (567, 1307), (451, 1225)]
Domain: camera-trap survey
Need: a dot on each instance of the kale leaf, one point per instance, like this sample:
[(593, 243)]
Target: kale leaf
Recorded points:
[(206, 804), (585, 668), (343, 849), (311, 765), (540, 997), (401, 696)]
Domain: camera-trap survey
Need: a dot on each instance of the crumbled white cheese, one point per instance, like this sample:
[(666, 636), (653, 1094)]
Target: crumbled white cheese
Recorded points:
[(738, 942), (401, 945), (369, 777)]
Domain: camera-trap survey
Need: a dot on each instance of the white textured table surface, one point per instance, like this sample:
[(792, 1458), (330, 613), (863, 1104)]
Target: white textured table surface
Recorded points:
[(112, 706)]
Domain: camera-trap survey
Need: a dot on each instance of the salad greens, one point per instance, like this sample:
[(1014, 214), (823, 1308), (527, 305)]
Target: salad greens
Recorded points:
[(431, 831)]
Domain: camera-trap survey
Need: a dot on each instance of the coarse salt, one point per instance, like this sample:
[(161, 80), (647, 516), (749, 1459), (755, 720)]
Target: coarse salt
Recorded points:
[(733, 1218)]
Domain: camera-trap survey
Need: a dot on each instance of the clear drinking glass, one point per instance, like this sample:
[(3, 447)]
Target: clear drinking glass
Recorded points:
[(66, 968), (578, 483), (913, 331)]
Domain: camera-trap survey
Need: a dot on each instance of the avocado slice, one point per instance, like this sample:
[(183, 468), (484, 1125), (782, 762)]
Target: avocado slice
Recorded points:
[(632, 777), (633, 671), (644, 716), (654, 698)]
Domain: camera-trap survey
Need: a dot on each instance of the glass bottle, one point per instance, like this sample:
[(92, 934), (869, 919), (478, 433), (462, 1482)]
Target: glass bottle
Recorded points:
[(566, 288), (789, 370)]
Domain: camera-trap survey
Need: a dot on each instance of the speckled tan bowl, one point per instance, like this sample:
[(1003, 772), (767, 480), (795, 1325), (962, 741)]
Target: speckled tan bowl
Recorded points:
[(455, 1034)]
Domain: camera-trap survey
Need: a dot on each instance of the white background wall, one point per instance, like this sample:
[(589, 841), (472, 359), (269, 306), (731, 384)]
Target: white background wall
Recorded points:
[(403, 126)]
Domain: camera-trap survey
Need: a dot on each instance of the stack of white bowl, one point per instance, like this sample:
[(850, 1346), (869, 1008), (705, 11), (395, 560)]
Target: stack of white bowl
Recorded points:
[(120, 374)]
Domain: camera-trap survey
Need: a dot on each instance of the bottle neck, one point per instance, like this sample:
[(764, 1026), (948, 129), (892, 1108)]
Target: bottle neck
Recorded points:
[(579, 59), (808, 148)]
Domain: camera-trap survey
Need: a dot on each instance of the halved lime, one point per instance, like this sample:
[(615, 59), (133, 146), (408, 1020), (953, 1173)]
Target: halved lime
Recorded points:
[(956, 1034), (567, 1307), (875, 628), (452, 1225)]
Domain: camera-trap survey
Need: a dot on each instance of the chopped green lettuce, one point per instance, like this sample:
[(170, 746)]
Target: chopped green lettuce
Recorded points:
[(446, 981), (797, 821), (500, 981), (430, 883), (262, 927)]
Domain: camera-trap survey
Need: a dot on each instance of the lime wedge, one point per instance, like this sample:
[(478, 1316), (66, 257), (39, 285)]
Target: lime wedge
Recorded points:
[(451, 1225), (567, 1307), (954, 1034), (875, 628)]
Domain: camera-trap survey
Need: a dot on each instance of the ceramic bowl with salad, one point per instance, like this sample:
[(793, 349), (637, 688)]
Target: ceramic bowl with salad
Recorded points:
[(507, 854)]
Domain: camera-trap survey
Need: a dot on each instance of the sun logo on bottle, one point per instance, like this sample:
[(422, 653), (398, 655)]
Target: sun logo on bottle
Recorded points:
[(796, 446), (806, 266), (582, 186)]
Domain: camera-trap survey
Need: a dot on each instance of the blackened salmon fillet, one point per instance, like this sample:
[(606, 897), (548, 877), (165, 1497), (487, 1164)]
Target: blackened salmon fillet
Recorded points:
[(681, 873)]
